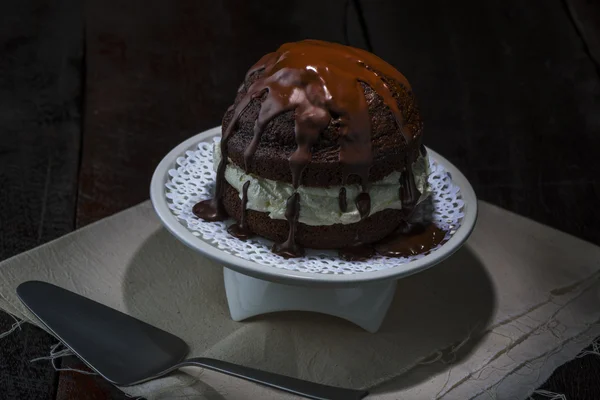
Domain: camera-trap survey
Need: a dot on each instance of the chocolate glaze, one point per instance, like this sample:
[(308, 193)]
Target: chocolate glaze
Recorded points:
[(360, 252), (213, 210), (316, 79), (209, 210), (420, 239), (408, 192), (240, 229), (290, 248), (363, 204), (343, 201)]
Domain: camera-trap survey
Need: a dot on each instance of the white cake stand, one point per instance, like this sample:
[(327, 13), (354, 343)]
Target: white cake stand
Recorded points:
[(253, 289)]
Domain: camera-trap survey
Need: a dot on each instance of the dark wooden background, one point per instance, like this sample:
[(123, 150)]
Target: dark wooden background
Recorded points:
[(93, 94)]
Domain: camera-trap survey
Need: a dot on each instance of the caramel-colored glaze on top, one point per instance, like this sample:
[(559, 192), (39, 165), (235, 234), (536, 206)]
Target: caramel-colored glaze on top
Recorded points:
[(320, 81)]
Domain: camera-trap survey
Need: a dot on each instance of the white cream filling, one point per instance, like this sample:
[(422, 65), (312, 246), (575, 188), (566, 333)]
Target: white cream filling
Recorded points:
[(318, 205)]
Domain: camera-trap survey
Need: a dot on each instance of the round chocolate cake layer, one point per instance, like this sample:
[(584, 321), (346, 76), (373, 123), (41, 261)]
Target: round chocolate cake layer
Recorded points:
[(319, 114), (278, 140), (371, 229)]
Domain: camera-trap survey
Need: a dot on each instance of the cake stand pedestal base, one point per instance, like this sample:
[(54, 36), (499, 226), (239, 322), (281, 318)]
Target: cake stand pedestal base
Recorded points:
[(365, 304)]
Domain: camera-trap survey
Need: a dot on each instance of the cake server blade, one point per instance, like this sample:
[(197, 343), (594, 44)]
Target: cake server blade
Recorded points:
[(127, 351)]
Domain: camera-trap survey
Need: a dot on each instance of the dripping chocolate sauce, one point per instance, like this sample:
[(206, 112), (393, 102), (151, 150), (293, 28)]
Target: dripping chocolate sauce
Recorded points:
[(343, 201), (322, 72), (363, 205), (240, 229), (418, 240), (289, 248), (408, 193)]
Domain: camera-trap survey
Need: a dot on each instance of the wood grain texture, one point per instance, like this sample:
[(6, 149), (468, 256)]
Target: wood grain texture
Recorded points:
[(77, 386), (586, 17), (20, 379), (578, 379), (509, 95), (41, 47)]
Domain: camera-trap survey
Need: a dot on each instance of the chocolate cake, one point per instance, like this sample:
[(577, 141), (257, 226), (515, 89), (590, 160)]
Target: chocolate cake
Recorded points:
[(322, 149)]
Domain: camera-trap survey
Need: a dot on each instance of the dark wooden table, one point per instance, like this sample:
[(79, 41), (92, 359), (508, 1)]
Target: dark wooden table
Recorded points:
[(92, 96)]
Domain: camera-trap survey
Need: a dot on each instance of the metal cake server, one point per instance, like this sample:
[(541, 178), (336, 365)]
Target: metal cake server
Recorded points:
[(126, 351)]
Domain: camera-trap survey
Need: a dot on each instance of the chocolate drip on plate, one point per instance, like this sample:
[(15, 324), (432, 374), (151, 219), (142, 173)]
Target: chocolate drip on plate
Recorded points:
[(420, 239), (360, 252), (209, 210), (289, 248), (213, 209), (240, 229)]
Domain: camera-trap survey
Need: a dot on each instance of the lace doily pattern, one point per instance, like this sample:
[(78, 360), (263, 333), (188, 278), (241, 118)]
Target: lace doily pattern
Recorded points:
[(193, 180)]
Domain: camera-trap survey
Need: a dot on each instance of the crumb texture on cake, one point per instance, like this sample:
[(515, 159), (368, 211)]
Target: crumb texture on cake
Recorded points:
[(278, 139)]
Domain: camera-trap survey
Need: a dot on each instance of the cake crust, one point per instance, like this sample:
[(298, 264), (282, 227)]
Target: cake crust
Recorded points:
[(278, 140)]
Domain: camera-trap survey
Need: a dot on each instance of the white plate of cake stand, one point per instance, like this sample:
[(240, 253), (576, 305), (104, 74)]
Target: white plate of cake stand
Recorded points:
[(253, 289)]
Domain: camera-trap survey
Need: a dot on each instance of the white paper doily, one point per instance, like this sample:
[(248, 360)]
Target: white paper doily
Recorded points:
[(194, 180)]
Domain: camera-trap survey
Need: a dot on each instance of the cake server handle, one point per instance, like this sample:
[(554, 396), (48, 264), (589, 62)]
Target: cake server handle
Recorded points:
[(299, 387)]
